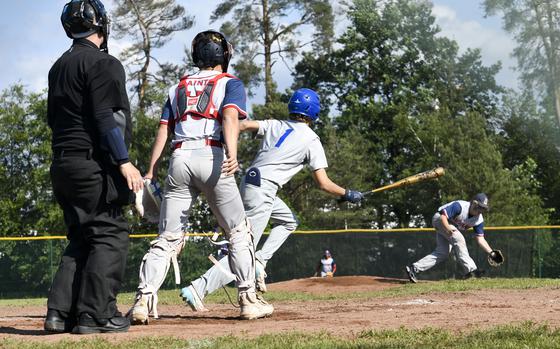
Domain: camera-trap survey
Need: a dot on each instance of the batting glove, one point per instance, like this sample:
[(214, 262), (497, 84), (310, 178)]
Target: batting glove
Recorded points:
[(353, 196)]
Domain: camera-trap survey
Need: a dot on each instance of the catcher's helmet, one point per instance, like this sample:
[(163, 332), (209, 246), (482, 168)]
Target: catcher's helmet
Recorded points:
[(305, 102), (81, 18), (480, 200), (210, 48)]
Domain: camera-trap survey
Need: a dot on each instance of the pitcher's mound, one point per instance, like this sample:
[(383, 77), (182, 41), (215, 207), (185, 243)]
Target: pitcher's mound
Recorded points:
[(337, 284)]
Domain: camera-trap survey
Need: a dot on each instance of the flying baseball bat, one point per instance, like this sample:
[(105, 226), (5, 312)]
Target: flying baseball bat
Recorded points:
[(419, 177)]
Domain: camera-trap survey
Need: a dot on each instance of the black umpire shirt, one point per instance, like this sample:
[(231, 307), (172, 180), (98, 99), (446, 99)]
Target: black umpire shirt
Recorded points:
[(84, 80)]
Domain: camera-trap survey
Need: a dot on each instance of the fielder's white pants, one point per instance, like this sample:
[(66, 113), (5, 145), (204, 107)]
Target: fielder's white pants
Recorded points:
[(261, 205), (446, 243), (192, 171)]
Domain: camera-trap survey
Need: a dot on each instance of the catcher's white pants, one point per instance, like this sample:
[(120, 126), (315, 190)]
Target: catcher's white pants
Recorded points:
[(192, 171), (261, 205), (445, 244)]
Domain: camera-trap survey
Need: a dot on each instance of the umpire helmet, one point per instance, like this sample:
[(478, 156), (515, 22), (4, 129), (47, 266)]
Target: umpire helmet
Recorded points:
[(480, 200), (81, 18), (305, 102), (210, 48)]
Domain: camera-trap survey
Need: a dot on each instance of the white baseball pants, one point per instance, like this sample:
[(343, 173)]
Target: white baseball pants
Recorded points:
[(445, 244), (192, 171), (261, 205)]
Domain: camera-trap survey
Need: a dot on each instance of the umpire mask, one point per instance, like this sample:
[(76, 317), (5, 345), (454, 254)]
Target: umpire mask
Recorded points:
[(81, 18)]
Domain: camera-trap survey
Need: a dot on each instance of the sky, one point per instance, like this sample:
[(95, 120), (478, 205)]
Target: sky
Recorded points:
[(32, 38)]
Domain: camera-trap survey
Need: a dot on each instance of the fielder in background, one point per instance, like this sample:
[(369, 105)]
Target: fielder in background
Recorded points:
[(450, 222), (286, 146), (203, 112), (326, 266)]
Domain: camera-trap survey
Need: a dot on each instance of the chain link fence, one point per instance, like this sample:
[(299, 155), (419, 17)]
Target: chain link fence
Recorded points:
[(28, 264)]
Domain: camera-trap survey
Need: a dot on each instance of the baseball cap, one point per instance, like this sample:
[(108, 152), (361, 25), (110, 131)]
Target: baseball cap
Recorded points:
[(481, 200)]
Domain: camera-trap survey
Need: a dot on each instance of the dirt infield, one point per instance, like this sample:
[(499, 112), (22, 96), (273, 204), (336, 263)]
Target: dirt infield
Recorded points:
[(459, 311)]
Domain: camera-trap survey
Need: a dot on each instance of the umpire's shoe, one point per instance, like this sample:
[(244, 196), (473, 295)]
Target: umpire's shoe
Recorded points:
[(411, 273), (58, 322), (253, 306), (87, 324)]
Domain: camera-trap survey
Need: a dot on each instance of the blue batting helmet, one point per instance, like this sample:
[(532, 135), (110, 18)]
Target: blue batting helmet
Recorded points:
[(305, 102)]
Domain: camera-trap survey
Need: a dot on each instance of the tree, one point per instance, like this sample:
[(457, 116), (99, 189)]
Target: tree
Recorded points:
[(150, 23), (27, 204), (259, 29), (535, 25), (526, 133), (400, 69)]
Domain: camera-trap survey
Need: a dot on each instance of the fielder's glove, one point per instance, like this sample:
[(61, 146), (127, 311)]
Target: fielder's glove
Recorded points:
[(495, 258), (353, 196)]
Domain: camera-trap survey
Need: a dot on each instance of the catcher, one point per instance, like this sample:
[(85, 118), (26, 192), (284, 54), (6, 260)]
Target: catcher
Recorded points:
[(450, 222)]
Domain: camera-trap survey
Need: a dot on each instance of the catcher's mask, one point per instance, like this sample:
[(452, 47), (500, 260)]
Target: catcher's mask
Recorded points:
[(305, 102), (81, 18), (210, 48), (480, 201)]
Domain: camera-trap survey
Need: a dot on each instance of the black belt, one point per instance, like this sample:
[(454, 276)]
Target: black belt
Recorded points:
[(61, 153)]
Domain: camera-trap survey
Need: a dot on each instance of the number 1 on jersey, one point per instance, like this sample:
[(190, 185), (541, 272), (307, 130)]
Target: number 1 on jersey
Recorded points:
[(283, 137)]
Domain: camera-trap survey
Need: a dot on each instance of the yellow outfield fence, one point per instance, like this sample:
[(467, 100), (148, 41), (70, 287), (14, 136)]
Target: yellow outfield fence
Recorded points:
[(304, 232), (28, 263)]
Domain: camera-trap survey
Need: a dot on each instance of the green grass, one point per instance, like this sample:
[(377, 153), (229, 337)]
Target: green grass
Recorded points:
[(423, 288), (526, 335)]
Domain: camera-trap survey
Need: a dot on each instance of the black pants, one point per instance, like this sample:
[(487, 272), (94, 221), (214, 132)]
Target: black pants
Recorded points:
[(92, 266)]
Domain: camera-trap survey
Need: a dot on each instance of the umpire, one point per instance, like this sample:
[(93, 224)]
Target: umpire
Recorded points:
[(92, 178)]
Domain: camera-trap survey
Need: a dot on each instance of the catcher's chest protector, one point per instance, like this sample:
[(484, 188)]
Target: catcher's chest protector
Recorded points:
[(195, 97)]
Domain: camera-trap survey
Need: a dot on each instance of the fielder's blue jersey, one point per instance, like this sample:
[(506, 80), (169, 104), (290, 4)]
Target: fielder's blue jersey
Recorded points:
[(457, 213)]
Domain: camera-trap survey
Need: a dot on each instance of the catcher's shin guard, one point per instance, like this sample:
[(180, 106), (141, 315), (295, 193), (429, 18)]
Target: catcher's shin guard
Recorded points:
[(153, 271), (242, 256)]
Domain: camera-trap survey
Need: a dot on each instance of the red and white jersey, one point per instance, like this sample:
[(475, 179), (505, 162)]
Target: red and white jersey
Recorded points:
[(227, 92)]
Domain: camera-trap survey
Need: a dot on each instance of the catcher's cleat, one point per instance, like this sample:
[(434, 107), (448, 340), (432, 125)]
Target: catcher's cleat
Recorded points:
[(190, 296), (477, 273), (260, 276), (253, 306), (411, 273), (140, 311)]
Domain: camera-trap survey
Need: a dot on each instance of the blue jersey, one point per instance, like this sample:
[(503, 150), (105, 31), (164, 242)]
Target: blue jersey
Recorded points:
[(457, 213)]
